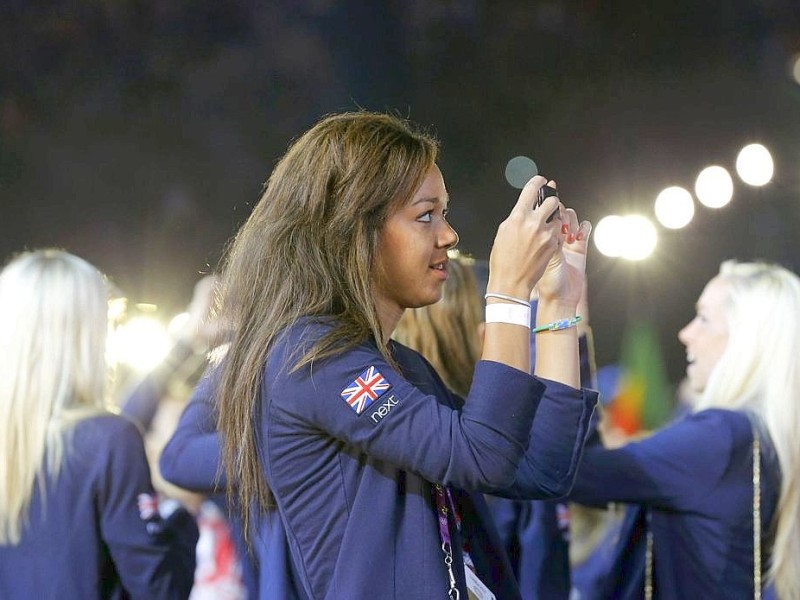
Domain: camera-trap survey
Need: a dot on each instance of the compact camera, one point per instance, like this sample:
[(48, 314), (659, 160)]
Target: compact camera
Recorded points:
[(545, 192)]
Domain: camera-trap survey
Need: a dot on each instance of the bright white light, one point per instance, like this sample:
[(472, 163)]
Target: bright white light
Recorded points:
[(714, 187), (146, 307), (674, 207), (640, 237), (141, 343), (754, 165), (632, 237), (520, 170), (608, 235)]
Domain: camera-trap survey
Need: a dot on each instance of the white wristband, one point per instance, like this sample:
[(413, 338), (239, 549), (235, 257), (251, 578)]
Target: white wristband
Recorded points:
[(513, 314)]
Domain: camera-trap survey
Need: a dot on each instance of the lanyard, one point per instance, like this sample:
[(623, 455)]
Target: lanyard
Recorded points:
[(444, 506)]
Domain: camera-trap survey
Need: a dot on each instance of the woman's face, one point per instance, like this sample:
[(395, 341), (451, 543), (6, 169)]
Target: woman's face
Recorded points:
[(706, 336), (411, 263)]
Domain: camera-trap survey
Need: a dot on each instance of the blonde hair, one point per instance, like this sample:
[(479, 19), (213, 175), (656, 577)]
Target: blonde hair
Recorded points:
[(53, 326), (446, 333), (308, 249), (759, 372)]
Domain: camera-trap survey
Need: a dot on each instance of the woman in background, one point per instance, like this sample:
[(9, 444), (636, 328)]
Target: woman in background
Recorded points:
[(712, 532), (78, 515)]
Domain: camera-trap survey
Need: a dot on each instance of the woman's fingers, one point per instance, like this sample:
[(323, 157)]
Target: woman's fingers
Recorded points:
[(571, 229), (584, 231), (528, 201), (529, 195)]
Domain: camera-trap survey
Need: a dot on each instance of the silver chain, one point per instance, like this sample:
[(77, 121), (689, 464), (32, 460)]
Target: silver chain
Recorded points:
[(648, 565), (756, 514)]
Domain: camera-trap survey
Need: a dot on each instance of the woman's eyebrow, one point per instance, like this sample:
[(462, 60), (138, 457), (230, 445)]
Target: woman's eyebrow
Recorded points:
[(433, 200)]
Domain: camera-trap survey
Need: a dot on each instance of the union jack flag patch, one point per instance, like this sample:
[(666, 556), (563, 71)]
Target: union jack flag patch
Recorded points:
[(148, 506), (366, 389)]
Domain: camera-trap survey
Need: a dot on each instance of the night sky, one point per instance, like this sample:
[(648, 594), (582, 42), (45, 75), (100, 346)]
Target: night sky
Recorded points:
[(138, 134)]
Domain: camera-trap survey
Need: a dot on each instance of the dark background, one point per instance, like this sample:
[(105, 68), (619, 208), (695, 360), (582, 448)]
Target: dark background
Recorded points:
[(138, 134)]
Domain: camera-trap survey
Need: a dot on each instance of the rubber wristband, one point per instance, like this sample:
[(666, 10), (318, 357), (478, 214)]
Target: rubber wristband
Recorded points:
[(558, 325), (508, 298), (512, 314)]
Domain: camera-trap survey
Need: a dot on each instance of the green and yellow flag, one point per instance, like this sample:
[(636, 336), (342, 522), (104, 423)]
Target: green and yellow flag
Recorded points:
[(643, 398)]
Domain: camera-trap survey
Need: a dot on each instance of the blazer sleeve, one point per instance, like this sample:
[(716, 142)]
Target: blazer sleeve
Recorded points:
[(669, 470), (558, 435), (477, 447), (551, 460), (154, 559), (560, 430), (192, 457)]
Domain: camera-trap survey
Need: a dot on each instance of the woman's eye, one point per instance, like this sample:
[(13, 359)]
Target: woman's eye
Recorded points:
[(426, 217)]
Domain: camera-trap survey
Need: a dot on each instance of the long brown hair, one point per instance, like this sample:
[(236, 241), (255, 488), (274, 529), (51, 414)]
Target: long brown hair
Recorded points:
[(308, 249)]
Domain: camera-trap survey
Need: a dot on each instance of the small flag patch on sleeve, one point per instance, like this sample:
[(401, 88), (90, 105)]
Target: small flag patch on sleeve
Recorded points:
[(148, 506), (366, 389)]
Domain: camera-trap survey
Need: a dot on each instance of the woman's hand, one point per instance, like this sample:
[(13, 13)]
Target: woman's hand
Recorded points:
[(563, 280), (560, 290), (525, 243)]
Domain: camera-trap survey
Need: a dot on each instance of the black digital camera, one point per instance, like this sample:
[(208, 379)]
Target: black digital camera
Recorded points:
[(545, 192)]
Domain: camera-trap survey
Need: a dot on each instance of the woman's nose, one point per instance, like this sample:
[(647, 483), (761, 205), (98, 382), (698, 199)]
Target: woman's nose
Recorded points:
[(683, 334), (448, 238)]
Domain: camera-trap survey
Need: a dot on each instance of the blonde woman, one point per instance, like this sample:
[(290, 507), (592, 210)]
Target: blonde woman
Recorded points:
[(78, 514), (713, 534)]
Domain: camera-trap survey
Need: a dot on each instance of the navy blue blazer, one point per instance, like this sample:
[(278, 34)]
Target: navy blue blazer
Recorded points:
[(696, 479), (351, 469), (86, 536)]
